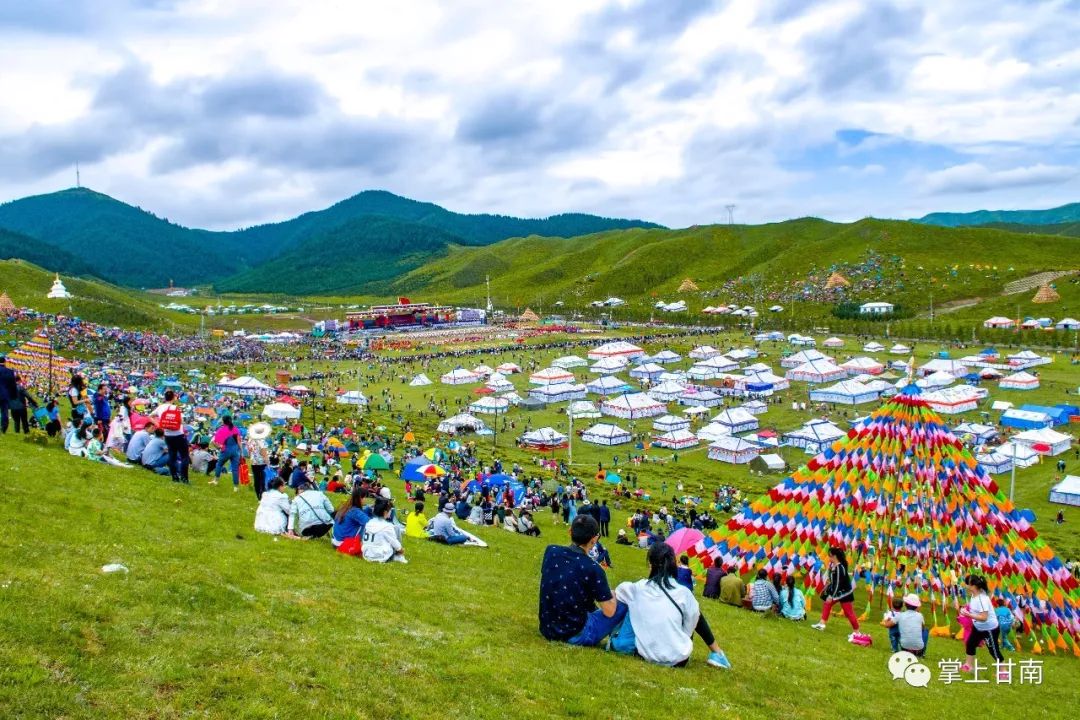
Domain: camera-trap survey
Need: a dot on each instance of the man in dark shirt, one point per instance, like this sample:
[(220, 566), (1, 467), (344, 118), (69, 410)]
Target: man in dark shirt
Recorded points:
[(604, 518), (299, 476), (8, 391), (571, 587), (713, 576)]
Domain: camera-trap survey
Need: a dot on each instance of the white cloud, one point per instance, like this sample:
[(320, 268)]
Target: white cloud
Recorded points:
[(977, 178)]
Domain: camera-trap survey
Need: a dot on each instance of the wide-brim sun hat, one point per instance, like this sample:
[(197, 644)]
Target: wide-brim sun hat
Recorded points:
[(912, 600), (259, 431)]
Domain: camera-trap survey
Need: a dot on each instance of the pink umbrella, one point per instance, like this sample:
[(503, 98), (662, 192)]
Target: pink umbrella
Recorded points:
[(683, 539)]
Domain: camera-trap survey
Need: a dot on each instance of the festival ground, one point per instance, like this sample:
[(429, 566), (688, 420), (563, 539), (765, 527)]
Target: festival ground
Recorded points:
[(217, 620)]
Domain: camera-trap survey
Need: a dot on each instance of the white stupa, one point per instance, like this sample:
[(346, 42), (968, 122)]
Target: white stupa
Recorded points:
[(58, 290)]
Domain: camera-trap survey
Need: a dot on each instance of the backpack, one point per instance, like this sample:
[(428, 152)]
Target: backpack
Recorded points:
[(171, 419)]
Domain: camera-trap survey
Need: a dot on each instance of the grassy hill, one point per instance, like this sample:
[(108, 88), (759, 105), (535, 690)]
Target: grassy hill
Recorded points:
[(1065, 214), (782, 259), (1071, 229), (216, 619), (131, 246), (92, 300), (15, 245)]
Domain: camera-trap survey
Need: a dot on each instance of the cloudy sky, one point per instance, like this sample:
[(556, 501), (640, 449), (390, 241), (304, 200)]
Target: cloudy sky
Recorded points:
[(226, 113)]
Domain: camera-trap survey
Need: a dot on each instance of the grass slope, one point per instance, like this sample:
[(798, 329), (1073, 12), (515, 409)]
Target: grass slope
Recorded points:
[(1064, 214), (216, 620), (93, 300), (17, 246), (1068, 228), (640, 265)]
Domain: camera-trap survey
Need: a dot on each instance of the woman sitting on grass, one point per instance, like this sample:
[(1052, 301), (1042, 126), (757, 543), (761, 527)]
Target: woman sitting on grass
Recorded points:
[(663, 615), (272, 517), (416, 522), (381, 542), (351, 517), (792, 601)]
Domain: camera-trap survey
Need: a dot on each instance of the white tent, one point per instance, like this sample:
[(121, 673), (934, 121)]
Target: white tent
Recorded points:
[(703, 352), (998, 322), (420, 380), (700, 398), (460, 376), (1066, 492), (508, 368), (665, 357), (1021, 455), (633, 406), (981, 433), (953, 400), (833, 342), (845, 392), (758, 367), (862, 366), (814, 435), (281, 411), (544, 437), (582, 409), (755, 407), (816, 371), (733, 450), (773, 462), (512, 397), (740, 354), (551, 376), (762, 382), (713, 432), (609, 365), (703, 372), (933, 380), (461, 423), (719, 362), (1019, 381), (804, 356), (952, 367), (737, 420), (566, 362), (483, 370), (995, 461), (899, 349), (1027, 358), (619, 348), (678, 376), (606, 434), (352, 397), (694, 411), (648, 371), (558, 392), (245, 385), (873, 347), (607, 385), (1068, 324), (1057, 442), (667, 423), (490, 405), (497, 382), (666, 391), (676, 440)]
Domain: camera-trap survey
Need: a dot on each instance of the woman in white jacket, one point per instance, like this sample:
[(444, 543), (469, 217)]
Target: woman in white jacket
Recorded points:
[(664, 614), (273, 514), (380, 542)]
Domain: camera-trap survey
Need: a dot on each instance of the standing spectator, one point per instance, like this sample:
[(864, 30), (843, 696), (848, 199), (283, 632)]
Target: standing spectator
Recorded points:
[(984, 623), (21, 403), (169, 417), (227, 438), (102, 410), (79, 400), (8, 390), (258, 455), (604, 513), (838, 590)]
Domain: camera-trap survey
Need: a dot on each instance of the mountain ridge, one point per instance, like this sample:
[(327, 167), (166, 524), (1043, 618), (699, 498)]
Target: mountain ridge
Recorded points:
[(1068, 213)]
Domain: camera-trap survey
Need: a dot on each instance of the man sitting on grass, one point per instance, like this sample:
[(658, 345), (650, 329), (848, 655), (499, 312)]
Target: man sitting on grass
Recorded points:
[(572, 585)]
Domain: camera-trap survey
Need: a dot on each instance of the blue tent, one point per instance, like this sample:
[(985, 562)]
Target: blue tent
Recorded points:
[(499, 480), (1058, 414)]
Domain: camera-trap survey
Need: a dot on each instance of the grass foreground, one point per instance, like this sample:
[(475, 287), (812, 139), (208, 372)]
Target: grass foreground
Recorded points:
[(215, 620)]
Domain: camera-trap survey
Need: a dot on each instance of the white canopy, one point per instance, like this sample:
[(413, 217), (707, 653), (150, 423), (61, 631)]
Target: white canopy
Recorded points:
[(665, 356), (737, 419), (619, 348), (569, 361), (245, 385), (281, 411), (704, 352), (606, 385), (1019, 381), (461, 423), (582, 409), (544, 436), (1066, 492), (352, 397), (648, 370), (609, 365), (508, 368), (420, 380), (667, 423), (460, 376), (550, 376), (676, 439), (845, 392), (632, 406), (713, 432), (606, 434), (490, 405)]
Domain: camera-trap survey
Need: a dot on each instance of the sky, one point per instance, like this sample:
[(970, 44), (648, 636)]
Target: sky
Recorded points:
[(229, 113)]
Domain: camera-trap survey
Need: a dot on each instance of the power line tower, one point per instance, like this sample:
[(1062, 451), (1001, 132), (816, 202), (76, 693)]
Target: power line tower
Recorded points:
[(78, 179), (730, 214)]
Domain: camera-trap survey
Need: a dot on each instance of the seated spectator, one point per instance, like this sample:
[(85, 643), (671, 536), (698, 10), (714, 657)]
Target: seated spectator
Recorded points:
[(911, 626), (416, 522), (509, 522), (202, 460), (621, 538), (732, 589), (312, 515), (299, 476), (272, 515), (576, 604), (664, 614), (713, 576), (381, 543), (761, 596), (138, 443), (155, 455), (350, 518), (683, 575), (792, 601), (526, 525), (444, 527), (463, 509)]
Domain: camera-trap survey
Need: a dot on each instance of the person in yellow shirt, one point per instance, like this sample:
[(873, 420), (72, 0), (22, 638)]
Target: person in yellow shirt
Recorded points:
[(416, 522)]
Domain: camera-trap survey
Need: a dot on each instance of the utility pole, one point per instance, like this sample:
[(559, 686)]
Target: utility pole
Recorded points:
[(570, 447), (78, 179), (730, 214)]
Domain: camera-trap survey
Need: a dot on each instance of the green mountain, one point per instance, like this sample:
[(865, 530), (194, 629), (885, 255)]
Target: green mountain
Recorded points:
[(1069, 228), (130, 246), (360, 255), (50, 257), (1065, 214), (898, 261)]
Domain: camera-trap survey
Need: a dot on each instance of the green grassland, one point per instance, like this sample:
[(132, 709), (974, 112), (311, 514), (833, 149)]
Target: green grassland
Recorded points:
[(215, 620)]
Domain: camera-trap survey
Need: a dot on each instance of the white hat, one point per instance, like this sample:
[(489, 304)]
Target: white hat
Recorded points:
[(384, 492), (259, 431)]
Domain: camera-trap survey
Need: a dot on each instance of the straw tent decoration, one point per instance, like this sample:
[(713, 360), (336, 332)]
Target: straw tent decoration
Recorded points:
[(836, 280), (688, 285), (529, 316), (6, 306), (1046, 294)]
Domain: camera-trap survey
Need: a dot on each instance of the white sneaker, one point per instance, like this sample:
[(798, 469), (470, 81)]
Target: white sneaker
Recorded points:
[(851, 637), (400, 559), (818, 626)]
